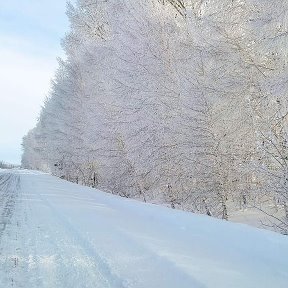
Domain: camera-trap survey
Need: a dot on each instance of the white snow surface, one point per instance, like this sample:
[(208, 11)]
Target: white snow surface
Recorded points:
[(58, 234)]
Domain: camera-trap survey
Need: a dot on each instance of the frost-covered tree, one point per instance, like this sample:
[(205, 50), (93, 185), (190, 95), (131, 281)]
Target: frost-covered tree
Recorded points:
[(182, 102)]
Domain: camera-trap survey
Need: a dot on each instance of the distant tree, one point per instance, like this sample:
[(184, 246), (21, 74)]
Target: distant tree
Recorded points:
[(4, 165)]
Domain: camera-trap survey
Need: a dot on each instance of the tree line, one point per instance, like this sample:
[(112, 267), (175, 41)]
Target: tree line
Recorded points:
[(180, 102)]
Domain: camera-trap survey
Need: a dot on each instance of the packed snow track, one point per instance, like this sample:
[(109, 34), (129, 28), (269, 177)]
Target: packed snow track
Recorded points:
[(58, 234)]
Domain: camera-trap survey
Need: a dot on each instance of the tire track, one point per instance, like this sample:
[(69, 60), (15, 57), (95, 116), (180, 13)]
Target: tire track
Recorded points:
[(9, 192)]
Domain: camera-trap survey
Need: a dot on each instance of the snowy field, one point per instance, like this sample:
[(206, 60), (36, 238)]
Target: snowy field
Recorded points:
[(57, 234)]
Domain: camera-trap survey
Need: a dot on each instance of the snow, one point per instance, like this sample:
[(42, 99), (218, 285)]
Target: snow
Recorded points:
[(58, 234)]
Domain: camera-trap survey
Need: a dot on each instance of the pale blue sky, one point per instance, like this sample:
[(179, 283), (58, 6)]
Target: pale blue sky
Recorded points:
[(30, 33)]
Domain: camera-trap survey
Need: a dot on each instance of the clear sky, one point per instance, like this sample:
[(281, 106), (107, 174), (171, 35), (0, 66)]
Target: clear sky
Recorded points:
[(30, 34)]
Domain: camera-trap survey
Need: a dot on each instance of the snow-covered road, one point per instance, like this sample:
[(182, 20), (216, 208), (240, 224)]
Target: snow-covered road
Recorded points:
[(58, 234)]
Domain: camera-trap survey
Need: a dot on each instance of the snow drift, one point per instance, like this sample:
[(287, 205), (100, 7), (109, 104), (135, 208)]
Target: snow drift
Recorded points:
[(57, 234)]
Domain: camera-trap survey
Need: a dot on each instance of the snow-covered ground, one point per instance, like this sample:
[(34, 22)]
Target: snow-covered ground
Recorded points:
[(255, 217), (57, 234)]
